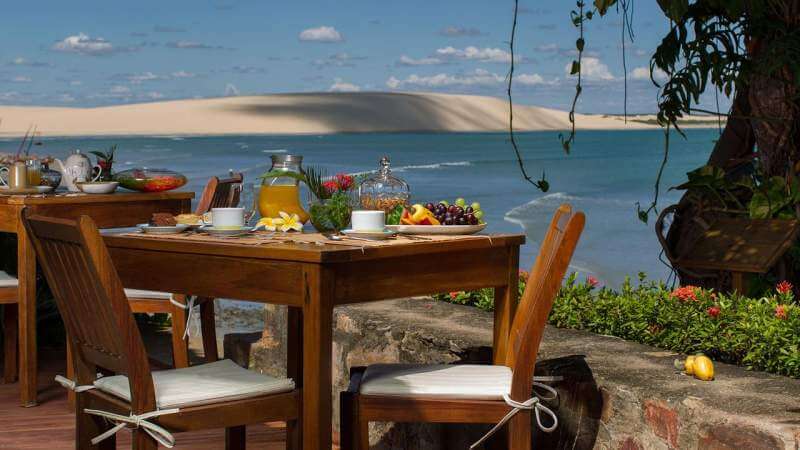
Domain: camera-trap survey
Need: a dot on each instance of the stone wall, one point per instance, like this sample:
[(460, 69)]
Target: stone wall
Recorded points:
[(615, 394)]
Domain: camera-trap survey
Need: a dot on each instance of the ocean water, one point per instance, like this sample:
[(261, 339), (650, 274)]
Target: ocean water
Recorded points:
[(605, 175)]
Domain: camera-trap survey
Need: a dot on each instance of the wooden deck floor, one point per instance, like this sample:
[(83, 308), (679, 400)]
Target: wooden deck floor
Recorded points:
[(50, 426)]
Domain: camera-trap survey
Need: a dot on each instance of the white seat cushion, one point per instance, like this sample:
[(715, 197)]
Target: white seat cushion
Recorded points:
[(467, 381), (7, 280), (141, 293), (200, 385)]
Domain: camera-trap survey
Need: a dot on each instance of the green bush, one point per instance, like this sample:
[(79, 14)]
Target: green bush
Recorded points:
[(758, 333)]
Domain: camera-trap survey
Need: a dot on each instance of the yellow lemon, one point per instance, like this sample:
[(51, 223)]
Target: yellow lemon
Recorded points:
[(703, 368), (688, 365)]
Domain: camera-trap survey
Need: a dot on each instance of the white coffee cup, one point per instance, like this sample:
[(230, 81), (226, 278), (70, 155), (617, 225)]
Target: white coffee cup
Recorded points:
[(227, 218), (368, 220)]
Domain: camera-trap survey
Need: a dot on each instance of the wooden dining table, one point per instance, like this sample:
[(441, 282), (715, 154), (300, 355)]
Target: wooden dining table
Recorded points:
[(108, 211), (312, 279)]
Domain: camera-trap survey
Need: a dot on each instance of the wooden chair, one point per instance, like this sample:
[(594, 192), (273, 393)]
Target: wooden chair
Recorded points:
[(10, 304), (218, 193), (471, 393), (103, 336)]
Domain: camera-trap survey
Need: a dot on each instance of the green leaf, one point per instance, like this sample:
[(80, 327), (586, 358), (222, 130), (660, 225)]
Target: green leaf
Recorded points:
[(603, 5), (579, 44), (575, 69), (674, 9)]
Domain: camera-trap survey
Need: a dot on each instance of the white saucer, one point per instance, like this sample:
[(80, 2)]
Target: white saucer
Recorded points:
[(375, 235), (149, 229)]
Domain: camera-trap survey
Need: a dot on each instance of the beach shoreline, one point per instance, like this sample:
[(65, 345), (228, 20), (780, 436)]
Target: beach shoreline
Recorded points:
[(310, 114)]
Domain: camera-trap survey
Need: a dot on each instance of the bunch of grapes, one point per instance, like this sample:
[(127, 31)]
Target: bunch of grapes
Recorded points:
[(456, 214)]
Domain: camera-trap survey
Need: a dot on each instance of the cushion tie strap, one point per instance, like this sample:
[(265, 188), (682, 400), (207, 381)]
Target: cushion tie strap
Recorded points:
[(190, 318), (71, 385), (134, 421), (532, 403)]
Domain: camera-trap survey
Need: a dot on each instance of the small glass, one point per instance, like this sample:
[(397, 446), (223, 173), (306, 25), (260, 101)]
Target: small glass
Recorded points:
[(383, 191), (34, 172)]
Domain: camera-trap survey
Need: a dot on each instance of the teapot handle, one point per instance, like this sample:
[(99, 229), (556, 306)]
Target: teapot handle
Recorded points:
[(99, 173), (3, 182)]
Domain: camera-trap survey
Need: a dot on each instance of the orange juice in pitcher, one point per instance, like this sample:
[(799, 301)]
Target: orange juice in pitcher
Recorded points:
[(282, 193)]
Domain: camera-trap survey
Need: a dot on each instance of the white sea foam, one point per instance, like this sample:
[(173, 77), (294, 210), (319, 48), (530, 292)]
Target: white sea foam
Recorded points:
[(433, 166)]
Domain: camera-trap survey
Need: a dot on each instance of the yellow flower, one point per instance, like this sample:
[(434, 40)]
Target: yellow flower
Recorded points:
[(290, 222), (270, 223)]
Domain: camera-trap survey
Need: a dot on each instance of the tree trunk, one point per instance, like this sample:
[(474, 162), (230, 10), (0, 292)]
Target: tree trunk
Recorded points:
[(764, 122)]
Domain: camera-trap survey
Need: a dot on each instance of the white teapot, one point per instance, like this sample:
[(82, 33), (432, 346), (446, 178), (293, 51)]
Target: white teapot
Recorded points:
[(77, 168)]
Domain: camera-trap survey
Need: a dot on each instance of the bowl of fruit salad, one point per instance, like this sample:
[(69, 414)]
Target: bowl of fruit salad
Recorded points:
[(437, 218)]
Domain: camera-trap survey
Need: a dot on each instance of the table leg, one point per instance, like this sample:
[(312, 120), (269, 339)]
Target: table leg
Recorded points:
[(505, 305), (26, 273), (294, 370), (317, 352)]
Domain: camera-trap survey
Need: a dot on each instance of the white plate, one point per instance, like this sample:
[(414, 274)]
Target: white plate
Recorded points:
[(375, 235), (225, 231), (44, 189), (97, 187), (437, 229), (5, 190), (149, 229)]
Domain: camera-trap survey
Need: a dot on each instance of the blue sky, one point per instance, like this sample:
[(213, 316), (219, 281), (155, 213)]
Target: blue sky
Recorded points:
[(92, 53)]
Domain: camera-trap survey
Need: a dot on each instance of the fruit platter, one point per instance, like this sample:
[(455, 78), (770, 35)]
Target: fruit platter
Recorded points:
[(437, 218)]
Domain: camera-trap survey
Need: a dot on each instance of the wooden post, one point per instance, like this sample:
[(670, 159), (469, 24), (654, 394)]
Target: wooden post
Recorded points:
[(26, 273), (505, 305)]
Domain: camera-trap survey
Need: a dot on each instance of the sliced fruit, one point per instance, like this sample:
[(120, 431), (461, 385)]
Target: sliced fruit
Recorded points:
[(430, 220)]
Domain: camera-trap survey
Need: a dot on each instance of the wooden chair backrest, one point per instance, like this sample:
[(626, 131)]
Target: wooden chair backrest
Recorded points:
[(223, 193), (100, 326), (543, 285)]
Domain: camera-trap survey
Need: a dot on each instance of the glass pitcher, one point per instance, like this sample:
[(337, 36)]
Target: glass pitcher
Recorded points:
[(282, 193)]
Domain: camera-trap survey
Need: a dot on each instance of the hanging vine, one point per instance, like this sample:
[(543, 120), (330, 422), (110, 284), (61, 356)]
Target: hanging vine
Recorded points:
[(707, 46)]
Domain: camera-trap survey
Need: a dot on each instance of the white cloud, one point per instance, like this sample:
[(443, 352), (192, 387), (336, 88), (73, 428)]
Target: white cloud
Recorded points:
[(409, 61), (231, 90), (643, 73), (592, 69), (82, 44), (460, 31), (321, 34), (338, 60), (530, 79), (10, 96), (548, 48), (342, 86), (183, 74), (478, 77), (154, 95), (476, 54), (20, 61), (65, 98), (193, 45)]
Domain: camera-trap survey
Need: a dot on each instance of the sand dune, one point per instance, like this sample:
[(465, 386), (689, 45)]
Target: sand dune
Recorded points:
[(317, 113)]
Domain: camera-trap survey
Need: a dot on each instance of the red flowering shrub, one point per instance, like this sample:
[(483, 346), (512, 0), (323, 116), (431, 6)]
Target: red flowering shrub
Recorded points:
[(780, 312), (784, 287), (592, 281), (685, 293), (713, 311)]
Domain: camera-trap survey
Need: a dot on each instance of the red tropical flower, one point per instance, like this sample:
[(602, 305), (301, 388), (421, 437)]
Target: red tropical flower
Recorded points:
[(453, 295), (784, 287), (780, 312), (713, 311), (592, 281), (330, 186), (344, 181), (685, 293)]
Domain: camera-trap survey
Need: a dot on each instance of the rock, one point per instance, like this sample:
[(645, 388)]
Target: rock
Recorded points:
[(614, 395)]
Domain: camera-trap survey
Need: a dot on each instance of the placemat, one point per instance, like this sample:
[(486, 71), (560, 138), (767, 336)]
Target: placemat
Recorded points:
[(266, 238)]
